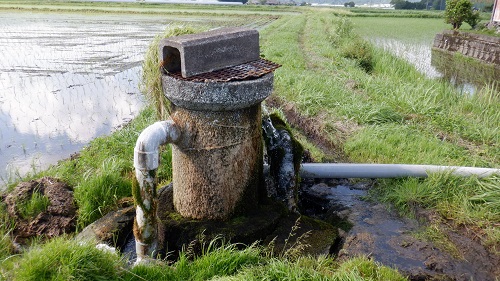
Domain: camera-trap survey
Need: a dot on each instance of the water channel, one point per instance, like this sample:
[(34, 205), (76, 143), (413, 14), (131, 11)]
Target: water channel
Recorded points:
[(66, 79)]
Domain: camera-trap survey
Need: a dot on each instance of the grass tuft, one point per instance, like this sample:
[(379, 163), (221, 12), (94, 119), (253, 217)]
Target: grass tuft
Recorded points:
[(151, 71), (309, 268), (65, 260), (6, 243), (34, 205), (100, 191)]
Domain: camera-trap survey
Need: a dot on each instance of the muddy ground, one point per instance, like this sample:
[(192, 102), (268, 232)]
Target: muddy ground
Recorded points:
[(58, 218), (372, 229)]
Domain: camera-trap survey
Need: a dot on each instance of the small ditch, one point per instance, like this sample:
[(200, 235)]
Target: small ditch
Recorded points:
[(371, 229)]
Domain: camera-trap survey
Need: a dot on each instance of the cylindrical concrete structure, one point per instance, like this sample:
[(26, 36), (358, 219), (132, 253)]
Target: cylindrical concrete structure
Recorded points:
[(218, 160)]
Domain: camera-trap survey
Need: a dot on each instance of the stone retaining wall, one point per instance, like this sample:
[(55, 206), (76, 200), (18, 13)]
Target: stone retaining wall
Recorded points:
[(482, 47)]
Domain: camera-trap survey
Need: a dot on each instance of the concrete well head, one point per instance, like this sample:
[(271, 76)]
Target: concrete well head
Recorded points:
[(217, 161)]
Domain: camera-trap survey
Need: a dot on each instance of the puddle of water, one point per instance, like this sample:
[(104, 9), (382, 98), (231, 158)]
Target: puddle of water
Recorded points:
[(64, 80)]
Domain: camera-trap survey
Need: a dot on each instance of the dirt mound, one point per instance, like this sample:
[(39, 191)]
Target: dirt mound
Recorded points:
[(57, 218)]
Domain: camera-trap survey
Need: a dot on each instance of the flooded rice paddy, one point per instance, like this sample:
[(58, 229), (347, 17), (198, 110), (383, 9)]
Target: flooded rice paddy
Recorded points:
[(66, 79), (441, 65)]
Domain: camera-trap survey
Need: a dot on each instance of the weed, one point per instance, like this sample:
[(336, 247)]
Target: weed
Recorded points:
[(360, 51), (63, 259), (151, 71), (34, 205), (309, 268), (6, 243), (99, 193), (489, 196)]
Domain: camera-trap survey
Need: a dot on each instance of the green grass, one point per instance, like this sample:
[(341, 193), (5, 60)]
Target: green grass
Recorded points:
[(464, 201), (151, 76), (34, 205), (103, 172), (64, 259), (6, 246), (439, 239), (308, 268), (400, 116)]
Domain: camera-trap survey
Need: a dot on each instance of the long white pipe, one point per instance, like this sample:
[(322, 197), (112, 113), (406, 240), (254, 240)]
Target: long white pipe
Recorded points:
[(146, 161), (348, 170)]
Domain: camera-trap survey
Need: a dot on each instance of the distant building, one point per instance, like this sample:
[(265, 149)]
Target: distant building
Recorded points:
[(495, 17)]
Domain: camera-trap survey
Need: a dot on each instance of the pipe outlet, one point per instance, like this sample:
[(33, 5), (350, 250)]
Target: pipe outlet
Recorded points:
[(146, 151), (146, 161)]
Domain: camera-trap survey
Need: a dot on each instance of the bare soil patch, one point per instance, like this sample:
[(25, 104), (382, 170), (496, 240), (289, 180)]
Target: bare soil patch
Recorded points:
[(59, 217)]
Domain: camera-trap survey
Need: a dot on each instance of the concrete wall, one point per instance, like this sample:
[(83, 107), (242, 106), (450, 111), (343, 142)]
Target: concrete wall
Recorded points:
[(482, 47)]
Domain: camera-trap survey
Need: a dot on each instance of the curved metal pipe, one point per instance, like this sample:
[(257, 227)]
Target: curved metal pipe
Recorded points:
[(348, 170), (146, 161)]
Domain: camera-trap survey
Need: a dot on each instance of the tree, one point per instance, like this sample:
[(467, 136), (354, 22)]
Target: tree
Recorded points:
[(349, 4), (407, 5), (458, 11)]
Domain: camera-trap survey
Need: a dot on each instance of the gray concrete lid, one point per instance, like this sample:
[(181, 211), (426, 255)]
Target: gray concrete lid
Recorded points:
[(217, 96), (204, 52)]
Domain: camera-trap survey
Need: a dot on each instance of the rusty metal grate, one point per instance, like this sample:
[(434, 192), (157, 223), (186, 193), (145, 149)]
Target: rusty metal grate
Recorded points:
[(249, 70)]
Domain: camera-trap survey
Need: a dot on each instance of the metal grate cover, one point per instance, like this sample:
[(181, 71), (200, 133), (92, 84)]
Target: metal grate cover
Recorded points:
[(249, 70)]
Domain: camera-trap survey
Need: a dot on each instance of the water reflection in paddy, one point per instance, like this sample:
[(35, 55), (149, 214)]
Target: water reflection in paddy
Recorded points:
[(64, 80)]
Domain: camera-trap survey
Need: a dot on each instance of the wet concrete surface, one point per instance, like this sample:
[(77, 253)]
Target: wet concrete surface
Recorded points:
[(371, 229)]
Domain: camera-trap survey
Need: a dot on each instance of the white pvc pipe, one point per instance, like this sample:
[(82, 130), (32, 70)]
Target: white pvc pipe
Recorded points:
[(146, 151), (146, 161), (348, 170)]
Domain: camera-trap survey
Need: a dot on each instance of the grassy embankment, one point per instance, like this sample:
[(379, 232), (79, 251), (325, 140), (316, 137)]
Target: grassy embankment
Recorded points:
[(399, 117), (374, 106)]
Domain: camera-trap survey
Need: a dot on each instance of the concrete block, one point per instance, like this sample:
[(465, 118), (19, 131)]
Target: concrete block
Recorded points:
[(209, 51)]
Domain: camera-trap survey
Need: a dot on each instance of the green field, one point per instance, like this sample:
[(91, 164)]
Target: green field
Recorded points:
[(371, 106)]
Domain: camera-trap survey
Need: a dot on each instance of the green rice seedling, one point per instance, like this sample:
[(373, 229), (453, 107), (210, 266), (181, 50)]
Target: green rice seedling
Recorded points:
[(408, 30), (63, 259)]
